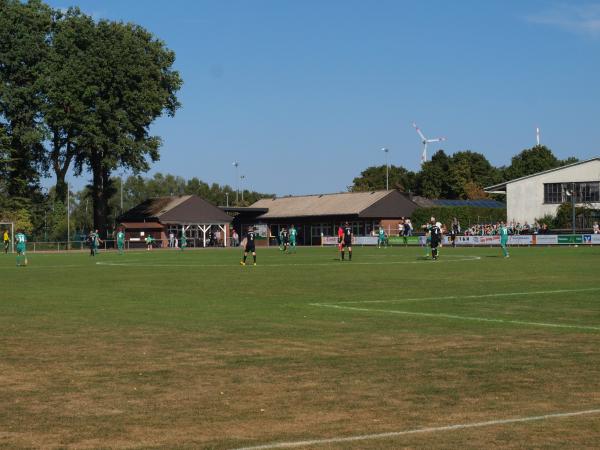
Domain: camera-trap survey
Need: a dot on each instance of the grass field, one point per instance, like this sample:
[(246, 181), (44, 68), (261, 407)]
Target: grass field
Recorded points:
[(190, 350)]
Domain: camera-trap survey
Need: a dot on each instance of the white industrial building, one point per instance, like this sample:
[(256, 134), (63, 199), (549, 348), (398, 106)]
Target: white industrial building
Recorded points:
[(534, 196)]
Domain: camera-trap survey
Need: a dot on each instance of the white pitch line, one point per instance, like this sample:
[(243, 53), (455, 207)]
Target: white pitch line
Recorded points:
[(455, 317), (395, 434), (456, 297), (329, 264)]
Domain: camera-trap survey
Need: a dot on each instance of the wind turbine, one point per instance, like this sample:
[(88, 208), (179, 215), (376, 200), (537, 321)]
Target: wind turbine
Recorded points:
[(537, 135), (426, 141)]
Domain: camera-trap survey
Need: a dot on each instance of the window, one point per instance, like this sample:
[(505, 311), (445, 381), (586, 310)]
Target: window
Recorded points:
[(588, 192), (553, 193), (585, 192)]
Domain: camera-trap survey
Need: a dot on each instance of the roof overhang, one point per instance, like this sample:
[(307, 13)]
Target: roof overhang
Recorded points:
[(142, 225)]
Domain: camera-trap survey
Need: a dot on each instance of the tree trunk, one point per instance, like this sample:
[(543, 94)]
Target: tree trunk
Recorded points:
[(61, 187)]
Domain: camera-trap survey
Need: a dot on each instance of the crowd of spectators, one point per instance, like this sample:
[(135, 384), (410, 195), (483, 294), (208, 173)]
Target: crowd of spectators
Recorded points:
[(515, 228), (491, 229)]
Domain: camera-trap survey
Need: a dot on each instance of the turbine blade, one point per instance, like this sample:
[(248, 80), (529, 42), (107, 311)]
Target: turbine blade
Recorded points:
[(419, 131), (440, 139)]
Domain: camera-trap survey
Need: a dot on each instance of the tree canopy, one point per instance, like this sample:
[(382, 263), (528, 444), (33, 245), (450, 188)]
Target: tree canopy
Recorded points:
[(462, 175)]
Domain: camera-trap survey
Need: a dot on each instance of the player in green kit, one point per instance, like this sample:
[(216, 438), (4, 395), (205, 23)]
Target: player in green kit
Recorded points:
[(182, 241), (21, 244), (293, 234), (429, 226), (121, 241), (381, 238), (504, 239)]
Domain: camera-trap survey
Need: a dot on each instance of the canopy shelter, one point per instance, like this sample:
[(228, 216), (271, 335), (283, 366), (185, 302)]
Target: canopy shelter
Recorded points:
[(188, 214)]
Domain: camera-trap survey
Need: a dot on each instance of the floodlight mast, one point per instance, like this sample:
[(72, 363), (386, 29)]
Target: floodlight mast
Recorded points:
[(387, 167), (237, 189)]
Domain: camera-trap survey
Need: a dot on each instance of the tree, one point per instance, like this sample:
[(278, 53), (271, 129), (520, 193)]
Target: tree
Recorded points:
[(431, 179), (65, 90), (530, 161), (24, 28), (468, 173), (374, 178), (130, 82)]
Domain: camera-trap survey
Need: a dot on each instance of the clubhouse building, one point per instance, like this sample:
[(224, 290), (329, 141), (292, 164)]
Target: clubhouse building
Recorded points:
[(535, 196)]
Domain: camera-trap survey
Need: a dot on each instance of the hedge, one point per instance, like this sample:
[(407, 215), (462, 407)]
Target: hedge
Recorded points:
[(466, 215)]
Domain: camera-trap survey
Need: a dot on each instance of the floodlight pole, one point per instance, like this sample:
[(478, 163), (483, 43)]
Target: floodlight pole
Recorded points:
[(68, 215), (121, 183), (241, 181), (227, 199), (387, 167), (237, 189), (573, 205)]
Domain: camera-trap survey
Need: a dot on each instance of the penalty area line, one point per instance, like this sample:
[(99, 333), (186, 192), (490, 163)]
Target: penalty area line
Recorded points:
[(395, 434), (456, 317), (460, 297), (328, 264)]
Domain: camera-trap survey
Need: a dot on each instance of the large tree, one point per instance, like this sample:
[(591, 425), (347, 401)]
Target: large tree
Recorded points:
[(533, 160), (468, 173), (69, 86), (130, 82), (431, 180), (374, 178), (24, 29)]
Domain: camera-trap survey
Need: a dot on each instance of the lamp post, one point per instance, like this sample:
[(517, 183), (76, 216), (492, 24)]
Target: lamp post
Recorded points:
[(242, 177), (387, 172), (571, 194), (68, 215), (227, 199), (121, 183), (573, 204), (237, 188)]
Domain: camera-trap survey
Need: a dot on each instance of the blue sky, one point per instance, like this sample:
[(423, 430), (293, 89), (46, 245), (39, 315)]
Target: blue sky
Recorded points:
[(304, 94)]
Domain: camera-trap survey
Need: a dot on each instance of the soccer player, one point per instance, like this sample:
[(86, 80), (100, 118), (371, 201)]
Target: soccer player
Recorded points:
[(504, 239), (149, 241), (6, 241), (293, 234), (21, 241), (428, 228), (182, 241), (250, 247), (340, 238), (285, 239), (121, 241), (347, 242), (454, 230), (381, 238), (436, 239)]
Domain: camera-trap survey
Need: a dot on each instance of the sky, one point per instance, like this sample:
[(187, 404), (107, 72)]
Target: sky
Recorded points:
[(305, 94)]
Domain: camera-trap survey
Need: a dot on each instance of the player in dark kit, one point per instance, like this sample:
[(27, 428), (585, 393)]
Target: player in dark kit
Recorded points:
[(249, 248), (436, 239), (285, 239), (347, 242)]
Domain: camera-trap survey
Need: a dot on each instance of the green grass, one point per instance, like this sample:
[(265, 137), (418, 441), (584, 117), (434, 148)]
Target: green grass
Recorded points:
[(166, 349)]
